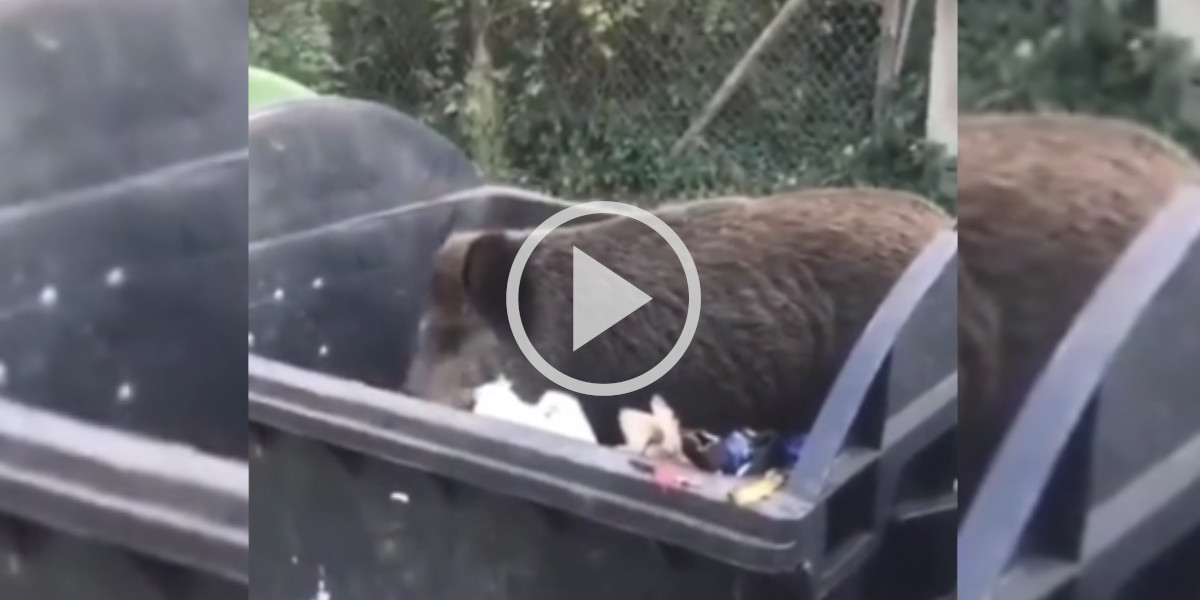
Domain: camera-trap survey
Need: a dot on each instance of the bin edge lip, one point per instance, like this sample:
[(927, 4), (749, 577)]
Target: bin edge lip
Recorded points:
[(996, 521), (524, 464), (123, 489)]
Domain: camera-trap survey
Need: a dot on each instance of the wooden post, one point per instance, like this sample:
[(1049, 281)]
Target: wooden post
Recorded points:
[(941, 119), (1181, 18), (734, 79)]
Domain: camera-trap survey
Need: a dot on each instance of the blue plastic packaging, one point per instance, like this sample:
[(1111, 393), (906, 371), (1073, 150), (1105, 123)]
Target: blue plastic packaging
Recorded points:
[(746, 453)]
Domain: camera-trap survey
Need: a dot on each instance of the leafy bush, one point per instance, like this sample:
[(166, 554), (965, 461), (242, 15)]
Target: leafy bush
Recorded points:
[(291, 39), (587, 98), (1012, 57)]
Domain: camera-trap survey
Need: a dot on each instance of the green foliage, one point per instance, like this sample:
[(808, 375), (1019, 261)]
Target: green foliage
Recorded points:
[(292, 39), (896, 154), (586, 98), (1014, 57)]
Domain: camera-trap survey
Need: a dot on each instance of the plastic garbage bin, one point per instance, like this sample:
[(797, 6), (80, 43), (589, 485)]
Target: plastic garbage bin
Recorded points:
[(364, 493)]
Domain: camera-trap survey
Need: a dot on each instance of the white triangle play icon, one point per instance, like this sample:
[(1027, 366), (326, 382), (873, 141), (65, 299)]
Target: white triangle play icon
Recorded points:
[(599, 298)]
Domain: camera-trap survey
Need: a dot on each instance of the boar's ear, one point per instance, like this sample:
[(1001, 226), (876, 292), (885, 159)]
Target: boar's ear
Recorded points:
[(485, 268), (449, 267)]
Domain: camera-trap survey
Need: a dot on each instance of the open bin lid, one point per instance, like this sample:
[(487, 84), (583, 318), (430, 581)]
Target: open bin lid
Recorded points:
[(268, 88), (122, 214)]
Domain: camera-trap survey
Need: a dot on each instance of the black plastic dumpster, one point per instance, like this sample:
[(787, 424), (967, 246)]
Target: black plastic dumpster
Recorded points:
[(123, 166), (92, 512), (123, 214), (365, 494), (325, 175), (1095, 493), (323, 160)]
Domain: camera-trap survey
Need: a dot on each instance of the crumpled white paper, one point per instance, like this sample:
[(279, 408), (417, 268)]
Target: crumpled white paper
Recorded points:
[(556, 412)]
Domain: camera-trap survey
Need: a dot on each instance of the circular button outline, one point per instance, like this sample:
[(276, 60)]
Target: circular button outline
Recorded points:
[(690, 323)]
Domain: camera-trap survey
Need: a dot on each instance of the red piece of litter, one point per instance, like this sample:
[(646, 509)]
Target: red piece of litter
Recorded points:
[(669, 478)]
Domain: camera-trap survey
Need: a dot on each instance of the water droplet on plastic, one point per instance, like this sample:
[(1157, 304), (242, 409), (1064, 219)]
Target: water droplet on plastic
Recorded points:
[(12, 564), (48, 296), (45, 41), (115, 277)]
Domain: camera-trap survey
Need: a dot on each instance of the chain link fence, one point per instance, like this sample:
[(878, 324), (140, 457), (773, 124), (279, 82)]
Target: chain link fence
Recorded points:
[(591, 98)]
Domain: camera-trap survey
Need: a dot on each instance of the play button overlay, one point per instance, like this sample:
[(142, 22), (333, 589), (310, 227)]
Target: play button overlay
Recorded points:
[(600, 298)]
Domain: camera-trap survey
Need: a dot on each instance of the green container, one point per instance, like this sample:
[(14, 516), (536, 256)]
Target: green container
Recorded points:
[(267, 88)]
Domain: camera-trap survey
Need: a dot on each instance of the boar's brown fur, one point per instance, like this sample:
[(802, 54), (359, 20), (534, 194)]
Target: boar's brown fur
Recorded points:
[(1046, 204), (787, 284)]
